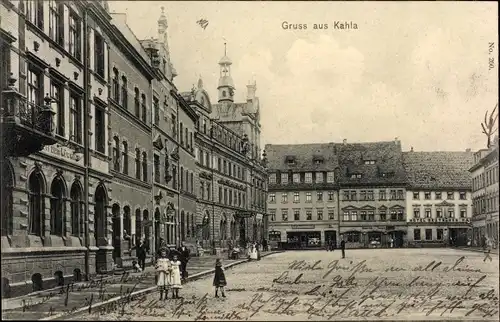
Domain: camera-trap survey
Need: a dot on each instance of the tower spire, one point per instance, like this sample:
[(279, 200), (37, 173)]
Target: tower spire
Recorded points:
[(226, 84), (225, 49)]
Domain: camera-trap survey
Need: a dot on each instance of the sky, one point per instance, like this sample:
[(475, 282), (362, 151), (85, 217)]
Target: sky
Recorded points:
[(416, 71)]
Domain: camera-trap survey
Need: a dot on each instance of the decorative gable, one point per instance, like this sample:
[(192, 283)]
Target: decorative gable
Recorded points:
[(158, 143), (367, 207), (445, 203)]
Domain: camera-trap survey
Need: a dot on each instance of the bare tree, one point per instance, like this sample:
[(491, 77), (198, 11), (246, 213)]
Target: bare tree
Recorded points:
[(490, 124)]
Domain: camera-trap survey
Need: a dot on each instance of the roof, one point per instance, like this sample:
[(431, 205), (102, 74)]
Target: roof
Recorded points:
[(488, 156), (438, 170), (225, 61), (377, 163), (303, 155)]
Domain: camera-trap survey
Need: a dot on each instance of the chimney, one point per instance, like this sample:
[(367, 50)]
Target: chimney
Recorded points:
[(396, 140), (467, 150), (251, 89), (411, 149), (344, 142)]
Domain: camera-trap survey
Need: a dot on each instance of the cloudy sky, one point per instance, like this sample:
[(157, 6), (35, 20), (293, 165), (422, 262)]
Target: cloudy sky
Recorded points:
[(417, 71)]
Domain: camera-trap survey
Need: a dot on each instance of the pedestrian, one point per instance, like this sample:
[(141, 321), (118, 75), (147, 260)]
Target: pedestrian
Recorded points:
[(219, 278), (342, 247), (176, 277), (141, 255), (163, 270), (184, 258)]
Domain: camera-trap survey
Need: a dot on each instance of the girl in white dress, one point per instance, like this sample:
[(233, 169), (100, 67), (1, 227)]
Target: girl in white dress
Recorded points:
[(164, 271), (176, 277)]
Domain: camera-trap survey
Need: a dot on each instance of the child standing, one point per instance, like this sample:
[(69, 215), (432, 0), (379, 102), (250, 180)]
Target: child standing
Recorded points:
[(163, 269), (219, 278), (176, 277)]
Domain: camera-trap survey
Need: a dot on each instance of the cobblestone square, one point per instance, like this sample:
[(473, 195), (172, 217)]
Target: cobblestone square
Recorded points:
[(426, 284)]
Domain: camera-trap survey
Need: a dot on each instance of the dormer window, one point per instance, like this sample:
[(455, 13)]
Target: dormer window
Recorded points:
[(387, 174), (369, 161), (317, 159), (356, 176), (290, 160)]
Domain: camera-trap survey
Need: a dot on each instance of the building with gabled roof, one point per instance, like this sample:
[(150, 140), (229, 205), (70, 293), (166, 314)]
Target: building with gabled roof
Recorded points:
[(438, 197)]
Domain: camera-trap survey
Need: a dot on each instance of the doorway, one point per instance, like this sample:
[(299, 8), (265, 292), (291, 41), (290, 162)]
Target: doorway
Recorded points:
[(116, 233), (331, 235), (242, 233)]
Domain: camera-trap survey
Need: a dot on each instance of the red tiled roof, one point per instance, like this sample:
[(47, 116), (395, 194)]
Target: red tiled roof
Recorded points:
[(438, 170)]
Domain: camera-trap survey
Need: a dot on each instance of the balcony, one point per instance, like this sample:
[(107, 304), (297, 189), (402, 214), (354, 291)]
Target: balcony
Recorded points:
[(25, 127)]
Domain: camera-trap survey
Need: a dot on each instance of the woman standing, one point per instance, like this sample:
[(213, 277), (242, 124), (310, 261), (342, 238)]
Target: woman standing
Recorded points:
[(176, 277), (163, 269)]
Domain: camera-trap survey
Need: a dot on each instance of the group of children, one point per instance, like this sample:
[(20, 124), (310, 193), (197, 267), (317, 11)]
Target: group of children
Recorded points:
[(169, 276)]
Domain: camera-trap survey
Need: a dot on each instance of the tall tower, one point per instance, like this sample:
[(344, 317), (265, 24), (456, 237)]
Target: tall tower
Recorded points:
[(226, 84), (165, 63)]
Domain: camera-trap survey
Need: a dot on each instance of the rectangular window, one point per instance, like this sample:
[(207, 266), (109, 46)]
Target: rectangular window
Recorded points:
[(347, 195), (330, 177), (427, 213), (363, 215), (463, 213), (56, 21), (319, 195), (75, 32), (331, 214), (416, 195), (319, 177), (439, 232), (284, 178), (76, 118), (157, 167), (369, 195), (308, 177), (400, 215), (272, 213), (35, 90), (319, 213), (34, 12), (309, 214), (394, 215), (296, 178), (383, 215), (100, 130), (353, 195), (382, 195), (354, 215), (272, 197), (202, 190), (346, 216), (371, 216), (296, 197), (416, 213), (272, 178), (156, 108), (439, 196), (393, 194), (220, 194), (450, 196), (428, 234), (330, 195), (362, 195), (284, 197), (463, 195), (284, 214), (57, 95), (416, 234), (99, 54), (401, 195), (451, 213), (308, 197), (296, 214), (439, 213)]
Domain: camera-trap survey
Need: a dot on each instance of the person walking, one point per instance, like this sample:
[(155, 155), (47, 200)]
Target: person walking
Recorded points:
[(184, 258), (342, 247), (141, 254), (219, 278), (176, 277), (163, 273)]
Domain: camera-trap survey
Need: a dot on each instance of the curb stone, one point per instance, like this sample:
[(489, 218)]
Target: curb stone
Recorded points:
[(148, 290)]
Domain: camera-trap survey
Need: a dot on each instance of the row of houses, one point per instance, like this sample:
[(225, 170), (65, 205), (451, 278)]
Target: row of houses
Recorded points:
[(100, 149), (374, 194)]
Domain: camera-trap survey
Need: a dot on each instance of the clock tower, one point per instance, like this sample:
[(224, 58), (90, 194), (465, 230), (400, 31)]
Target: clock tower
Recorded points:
[(226, 84)]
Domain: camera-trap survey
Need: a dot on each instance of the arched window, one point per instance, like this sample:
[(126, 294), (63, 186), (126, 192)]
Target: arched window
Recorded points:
[(188, 225), (183, 227), (182, 178), (36, 205), (223, 93), (100, 221), (192, 183), (144, 110), (6, 208), (125, 157), (137, 103), (116, 153), (187, 181), (77, 205), (206, 226), (138, 225), (116, 85), (124, 93), (144, 166), (138, 164), (193, 226), (147, 228), (127, 221), (222, 228), (57, 209)]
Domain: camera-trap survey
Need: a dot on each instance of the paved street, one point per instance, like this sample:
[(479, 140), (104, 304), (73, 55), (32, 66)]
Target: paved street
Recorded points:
[(51, 302), (430, 284)]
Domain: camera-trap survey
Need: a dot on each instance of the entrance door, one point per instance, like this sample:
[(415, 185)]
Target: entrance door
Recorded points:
[(243, 235), (331, 235), (303, 241)]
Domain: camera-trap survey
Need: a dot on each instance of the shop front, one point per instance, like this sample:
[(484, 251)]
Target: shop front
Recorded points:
[(303, 239)]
